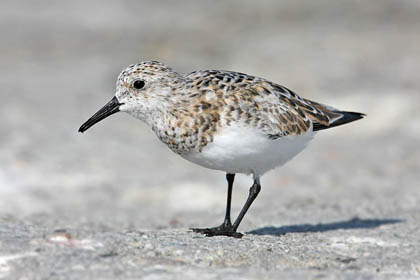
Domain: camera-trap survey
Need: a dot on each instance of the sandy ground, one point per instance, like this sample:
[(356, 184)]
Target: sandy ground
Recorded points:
[(115, 203)]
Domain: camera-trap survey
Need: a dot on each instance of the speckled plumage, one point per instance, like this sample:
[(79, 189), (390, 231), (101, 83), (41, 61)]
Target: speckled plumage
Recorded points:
[(186, 112), (221, 120)]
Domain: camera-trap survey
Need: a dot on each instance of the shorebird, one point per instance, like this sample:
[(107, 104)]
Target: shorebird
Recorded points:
[(221, 120)]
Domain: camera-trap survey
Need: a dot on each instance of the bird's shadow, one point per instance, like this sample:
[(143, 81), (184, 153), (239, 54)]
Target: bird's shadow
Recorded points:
[(353, 223)]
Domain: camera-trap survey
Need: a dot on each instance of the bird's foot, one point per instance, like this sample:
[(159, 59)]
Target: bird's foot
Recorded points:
[(226, 230)]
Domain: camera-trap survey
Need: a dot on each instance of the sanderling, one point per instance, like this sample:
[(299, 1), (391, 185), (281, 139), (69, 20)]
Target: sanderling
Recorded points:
[(221, 120)]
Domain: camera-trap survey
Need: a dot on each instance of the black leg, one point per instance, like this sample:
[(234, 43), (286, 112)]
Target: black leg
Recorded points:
[(253, 193), (225, 228), (229, 178)]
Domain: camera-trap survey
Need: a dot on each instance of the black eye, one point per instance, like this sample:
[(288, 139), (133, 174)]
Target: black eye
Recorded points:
[(138, 84)]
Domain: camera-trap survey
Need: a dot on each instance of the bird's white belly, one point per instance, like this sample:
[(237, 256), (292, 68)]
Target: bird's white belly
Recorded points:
[(239, 149)]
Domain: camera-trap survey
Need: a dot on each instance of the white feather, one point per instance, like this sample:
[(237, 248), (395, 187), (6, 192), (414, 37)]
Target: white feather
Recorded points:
[(240, 149)]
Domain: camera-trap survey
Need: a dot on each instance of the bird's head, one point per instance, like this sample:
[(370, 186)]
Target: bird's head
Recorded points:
[(142, 90)]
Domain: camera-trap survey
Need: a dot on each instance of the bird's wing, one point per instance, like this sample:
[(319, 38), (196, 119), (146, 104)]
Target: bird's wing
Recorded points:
[(320, 115), (274, 109)]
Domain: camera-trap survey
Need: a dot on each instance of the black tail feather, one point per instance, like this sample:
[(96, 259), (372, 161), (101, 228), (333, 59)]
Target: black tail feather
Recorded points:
[(346, 118)]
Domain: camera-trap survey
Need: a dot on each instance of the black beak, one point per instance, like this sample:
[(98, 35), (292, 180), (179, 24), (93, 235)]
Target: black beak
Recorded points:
[(110, 108)]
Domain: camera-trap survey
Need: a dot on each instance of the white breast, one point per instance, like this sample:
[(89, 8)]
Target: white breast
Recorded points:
[(244, 149)]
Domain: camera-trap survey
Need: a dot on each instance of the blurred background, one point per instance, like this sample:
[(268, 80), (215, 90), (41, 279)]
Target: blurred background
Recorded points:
[(60, 61)]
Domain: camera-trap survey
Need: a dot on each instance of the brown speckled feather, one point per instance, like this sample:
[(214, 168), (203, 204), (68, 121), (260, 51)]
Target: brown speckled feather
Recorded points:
[(193, 108), (273, 108)]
